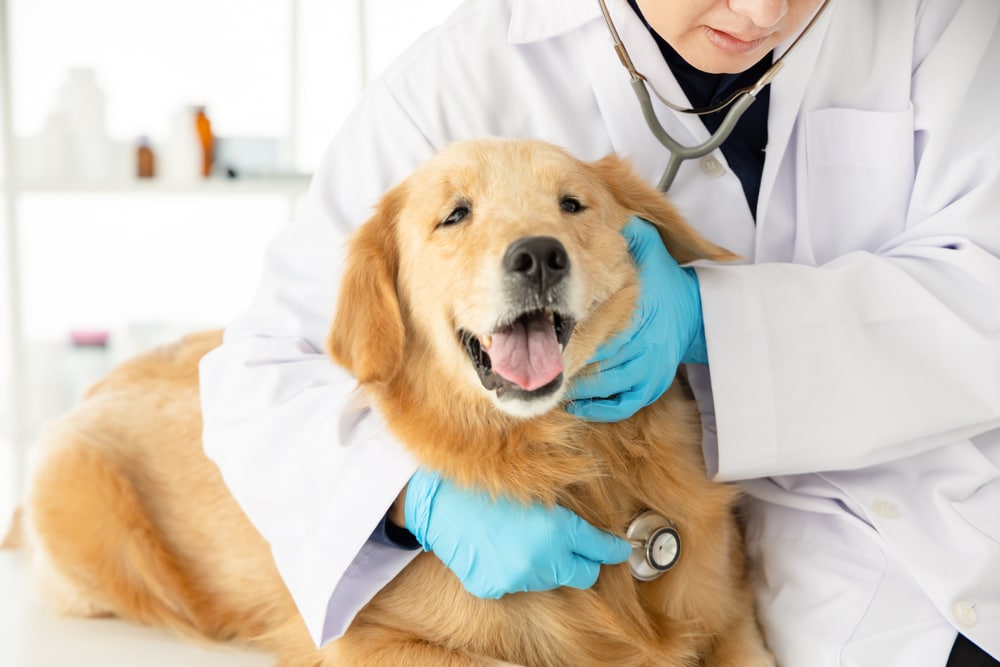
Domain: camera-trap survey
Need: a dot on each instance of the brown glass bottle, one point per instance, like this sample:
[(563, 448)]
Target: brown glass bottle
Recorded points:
[(145, 161)]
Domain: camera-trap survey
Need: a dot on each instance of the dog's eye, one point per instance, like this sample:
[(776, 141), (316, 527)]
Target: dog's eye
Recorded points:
[(456, 216), (570, 205)]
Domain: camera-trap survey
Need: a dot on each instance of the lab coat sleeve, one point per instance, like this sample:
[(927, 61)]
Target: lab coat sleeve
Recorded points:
[(885, 353), (312, 467)]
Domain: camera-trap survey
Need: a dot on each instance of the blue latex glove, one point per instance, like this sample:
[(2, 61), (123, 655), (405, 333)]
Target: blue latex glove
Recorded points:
[(667, 329), (498, 546)]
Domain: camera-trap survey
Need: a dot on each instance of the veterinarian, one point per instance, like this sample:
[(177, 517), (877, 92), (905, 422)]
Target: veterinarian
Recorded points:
[(848, 370)]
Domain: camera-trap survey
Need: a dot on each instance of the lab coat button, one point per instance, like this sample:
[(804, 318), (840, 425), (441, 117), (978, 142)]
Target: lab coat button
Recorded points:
[(712, 167), (965, 613), (885, 509)]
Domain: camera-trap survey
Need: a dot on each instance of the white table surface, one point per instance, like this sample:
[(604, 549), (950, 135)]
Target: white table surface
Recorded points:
[(32, 635)]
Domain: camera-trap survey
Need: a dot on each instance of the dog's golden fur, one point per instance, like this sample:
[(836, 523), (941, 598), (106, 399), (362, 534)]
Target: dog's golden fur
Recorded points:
[(126, 516)]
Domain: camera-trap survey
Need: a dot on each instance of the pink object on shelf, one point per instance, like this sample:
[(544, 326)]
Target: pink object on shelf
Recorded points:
[(89, 337)]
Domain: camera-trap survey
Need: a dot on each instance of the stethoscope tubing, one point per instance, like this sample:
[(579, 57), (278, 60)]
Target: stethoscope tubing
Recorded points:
[(678, 151)]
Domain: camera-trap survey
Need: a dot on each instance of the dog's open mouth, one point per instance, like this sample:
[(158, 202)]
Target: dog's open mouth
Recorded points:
[(524, 356)]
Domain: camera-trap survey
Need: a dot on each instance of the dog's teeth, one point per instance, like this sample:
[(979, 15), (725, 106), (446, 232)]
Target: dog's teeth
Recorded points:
[(486, 341), (551, 316)]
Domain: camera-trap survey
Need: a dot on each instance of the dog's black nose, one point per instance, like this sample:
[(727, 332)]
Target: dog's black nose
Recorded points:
[(540, 260)]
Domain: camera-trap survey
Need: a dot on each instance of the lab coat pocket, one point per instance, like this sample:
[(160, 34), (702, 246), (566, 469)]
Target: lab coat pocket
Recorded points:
[(860, 175)]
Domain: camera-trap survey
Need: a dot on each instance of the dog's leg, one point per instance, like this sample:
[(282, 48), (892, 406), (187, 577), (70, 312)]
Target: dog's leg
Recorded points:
[(742, 644), (14, 539), (96, 552), (367, 644)]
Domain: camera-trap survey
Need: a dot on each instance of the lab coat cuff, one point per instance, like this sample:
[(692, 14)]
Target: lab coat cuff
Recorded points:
[(376, 565), (339, 569), (741, 412)]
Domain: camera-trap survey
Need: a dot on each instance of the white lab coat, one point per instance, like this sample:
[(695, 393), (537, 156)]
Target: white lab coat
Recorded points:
[(855, 355)]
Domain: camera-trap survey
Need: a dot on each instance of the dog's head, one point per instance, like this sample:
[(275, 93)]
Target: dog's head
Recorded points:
[(495, 270)]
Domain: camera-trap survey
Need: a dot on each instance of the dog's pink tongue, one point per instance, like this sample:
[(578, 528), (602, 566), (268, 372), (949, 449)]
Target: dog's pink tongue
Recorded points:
[(527, 354)]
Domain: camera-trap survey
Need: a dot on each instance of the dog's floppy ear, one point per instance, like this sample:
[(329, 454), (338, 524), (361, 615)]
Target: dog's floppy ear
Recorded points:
[(640, 198), (368, 336)]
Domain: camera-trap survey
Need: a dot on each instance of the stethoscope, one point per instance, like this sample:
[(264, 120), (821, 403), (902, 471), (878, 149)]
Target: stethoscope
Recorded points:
[(656, 545), (738, 102)]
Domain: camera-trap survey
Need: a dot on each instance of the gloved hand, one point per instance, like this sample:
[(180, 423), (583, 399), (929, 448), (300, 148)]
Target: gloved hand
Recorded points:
[(500, 546), (667, 329)]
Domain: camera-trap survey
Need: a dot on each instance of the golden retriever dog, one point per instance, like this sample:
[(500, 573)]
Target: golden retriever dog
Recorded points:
[(492, 251)]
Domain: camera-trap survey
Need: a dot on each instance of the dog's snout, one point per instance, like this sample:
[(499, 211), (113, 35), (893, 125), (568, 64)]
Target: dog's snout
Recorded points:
[(540, 260)]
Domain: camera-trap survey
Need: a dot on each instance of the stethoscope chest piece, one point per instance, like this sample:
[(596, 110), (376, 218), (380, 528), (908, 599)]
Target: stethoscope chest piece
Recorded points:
[(656, 546)]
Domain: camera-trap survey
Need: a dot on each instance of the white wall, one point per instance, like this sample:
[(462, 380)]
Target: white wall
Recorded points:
[(147, 264)]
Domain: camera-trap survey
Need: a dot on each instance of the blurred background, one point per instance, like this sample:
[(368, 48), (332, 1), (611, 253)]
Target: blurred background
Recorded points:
[(115, 232)]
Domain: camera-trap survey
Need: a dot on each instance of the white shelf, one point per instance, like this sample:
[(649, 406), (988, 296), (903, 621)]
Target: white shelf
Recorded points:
[(293, 185)]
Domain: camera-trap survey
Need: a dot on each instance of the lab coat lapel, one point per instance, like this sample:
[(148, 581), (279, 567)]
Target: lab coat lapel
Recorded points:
[(726, 220), (629, 134), (787, 91)]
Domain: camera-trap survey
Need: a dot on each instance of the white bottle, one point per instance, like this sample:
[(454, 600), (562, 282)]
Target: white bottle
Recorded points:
[(81, 107), (181, 154)]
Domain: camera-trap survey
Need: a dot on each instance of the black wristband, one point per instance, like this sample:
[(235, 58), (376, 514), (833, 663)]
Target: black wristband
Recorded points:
[(391, 535)]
